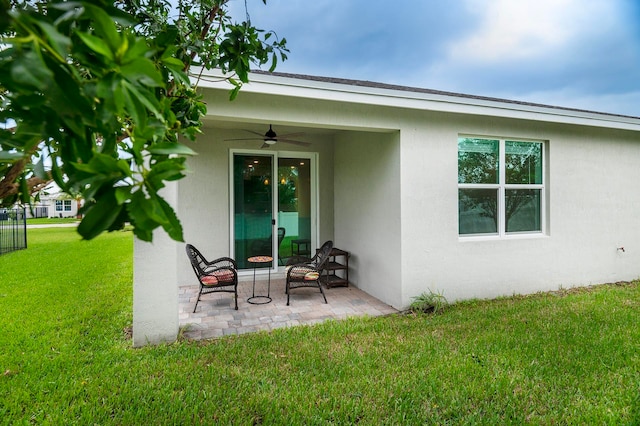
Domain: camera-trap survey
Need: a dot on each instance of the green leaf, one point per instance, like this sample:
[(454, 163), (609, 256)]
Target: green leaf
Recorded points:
[(106, 164), (137, 50), (168, 170), (143, 224), (144, 71), (104, 27), (142, 97), (99, 216), (123, 194), (274, 62), (97, 45), (172, 226), (25, 195), (110, 91), (30, 70), (134, 107), (58, 42), (233, 93)]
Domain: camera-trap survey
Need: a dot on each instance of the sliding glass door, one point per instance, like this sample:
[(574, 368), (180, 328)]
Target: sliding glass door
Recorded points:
[(272, 206), (252, 207), (294, 207)]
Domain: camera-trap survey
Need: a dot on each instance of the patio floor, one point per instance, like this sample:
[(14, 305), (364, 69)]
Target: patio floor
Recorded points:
[(216, 316)]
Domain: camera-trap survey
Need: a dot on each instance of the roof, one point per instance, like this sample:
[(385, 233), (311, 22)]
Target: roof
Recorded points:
[(390, 95), (372, 84)]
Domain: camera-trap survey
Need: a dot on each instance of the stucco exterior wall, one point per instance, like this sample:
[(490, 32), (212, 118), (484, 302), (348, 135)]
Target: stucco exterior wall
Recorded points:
[(155, 285), (592, 211), (367, 211)]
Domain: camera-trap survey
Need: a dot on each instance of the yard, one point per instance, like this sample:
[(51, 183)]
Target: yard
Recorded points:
[(569, 357)]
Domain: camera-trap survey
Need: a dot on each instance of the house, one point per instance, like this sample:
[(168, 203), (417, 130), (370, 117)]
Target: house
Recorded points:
[(56, 204), (470, 196), (53, 203)]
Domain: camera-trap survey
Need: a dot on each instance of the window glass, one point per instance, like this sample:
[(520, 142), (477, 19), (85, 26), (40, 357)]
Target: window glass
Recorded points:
[(477, 160), (478, 211), (523, 162), (522, 210), (58, 205), (67, 205), (500, 186)]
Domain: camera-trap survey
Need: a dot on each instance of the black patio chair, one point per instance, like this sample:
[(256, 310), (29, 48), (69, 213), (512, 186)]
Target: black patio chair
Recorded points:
[(306, 272), (219, 275)]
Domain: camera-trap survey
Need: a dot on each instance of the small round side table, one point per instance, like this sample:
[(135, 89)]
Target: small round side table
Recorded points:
[(260, 300)]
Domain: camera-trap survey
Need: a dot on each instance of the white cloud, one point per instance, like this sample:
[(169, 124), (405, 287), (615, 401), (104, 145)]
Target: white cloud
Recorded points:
[(527, 29)]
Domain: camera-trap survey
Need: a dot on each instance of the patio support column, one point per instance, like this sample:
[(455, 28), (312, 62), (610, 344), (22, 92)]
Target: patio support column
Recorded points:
[(155, 284)]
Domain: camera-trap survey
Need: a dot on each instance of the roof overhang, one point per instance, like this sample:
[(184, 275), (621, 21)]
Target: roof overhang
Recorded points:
[(367, 93)]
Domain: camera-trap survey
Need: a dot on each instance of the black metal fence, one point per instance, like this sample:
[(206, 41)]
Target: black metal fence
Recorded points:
[(13, 230)]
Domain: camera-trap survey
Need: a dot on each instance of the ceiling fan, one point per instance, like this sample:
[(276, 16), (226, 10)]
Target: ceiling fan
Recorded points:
[(271, 138)]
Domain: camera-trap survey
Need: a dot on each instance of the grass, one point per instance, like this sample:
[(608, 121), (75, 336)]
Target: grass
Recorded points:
[(52, 220), (570, 357)]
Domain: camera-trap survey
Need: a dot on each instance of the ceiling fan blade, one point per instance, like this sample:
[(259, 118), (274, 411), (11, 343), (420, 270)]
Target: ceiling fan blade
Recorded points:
[(244, 139), (291, 135), (294, 142), (265, 145)]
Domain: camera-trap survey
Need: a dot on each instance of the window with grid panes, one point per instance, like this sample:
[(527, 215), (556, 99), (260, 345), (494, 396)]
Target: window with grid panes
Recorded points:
[(500, 186)]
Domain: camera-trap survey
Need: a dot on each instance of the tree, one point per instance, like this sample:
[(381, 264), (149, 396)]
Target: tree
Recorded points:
[(97, 96)]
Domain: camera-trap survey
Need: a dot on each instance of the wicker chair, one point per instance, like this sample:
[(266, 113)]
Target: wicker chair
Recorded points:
[(219, 275), (306, 272)]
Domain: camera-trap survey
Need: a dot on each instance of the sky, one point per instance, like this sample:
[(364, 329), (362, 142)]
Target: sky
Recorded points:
[(581, 54)]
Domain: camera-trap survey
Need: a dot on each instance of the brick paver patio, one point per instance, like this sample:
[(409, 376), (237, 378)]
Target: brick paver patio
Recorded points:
[(215, 316)]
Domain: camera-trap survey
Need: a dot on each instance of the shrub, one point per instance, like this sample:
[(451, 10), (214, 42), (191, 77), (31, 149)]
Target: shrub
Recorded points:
[(428, 302)]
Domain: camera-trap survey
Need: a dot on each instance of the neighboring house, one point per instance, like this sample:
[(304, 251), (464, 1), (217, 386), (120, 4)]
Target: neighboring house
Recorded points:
[(60, 205), (54, 204), (470, 196)]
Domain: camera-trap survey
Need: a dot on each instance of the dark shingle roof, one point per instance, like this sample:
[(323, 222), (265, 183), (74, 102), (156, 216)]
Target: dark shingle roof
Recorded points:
[(375, 85)]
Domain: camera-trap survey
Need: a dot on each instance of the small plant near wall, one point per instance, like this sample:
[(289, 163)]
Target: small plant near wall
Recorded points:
[(428, 302)]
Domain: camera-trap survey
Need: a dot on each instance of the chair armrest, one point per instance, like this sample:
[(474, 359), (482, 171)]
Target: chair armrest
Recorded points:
[(226, 261)]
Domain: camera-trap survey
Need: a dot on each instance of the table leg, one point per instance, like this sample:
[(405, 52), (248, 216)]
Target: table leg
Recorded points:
[(260, 300)]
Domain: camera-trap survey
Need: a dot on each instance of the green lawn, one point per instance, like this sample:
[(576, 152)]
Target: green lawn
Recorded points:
[(49, 221), (569, 357)]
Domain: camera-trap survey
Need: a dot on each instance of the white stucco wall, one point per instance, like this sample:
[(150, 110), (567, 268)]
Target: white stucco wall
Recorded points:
[(592, 210), (367, 211), (155, 285)]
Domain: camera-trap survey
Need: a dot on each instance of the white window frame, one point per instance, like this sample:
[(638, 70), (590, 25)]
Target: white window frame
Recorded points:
[(502, 187)]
